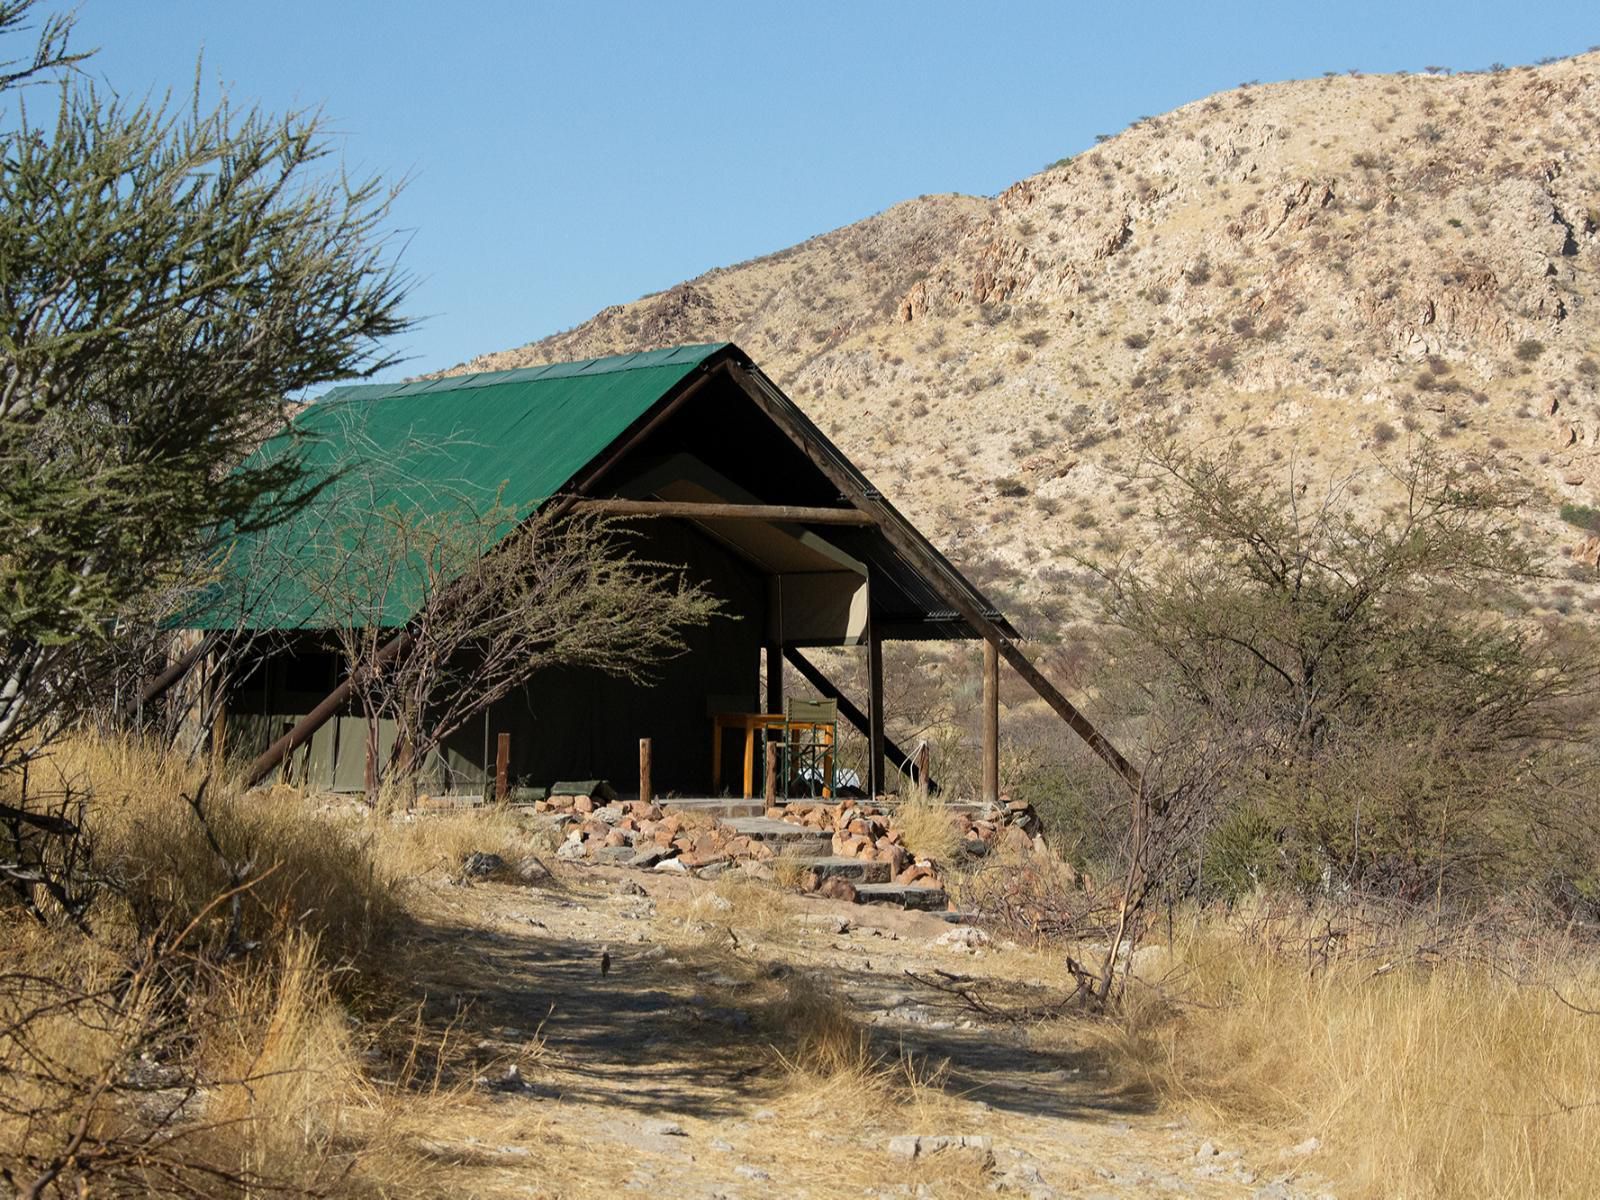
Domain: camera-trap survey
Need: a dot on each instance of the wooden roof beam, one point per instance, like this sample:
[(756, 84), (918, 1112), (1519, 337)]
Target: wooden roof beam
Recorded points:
[(693, 510)]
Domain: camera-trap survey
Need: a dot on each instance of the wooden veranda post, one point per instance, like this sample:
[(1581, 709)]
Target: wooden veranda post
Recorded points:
[(371, 776), (875, 776), (219, 737), (991, 723), (502, 767), (772, 774), (645, 791)]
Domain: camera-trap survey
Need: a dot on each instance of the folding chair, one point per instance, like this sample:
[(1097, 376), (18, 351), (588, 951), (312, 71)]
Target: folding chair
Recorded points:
[(805, 756)]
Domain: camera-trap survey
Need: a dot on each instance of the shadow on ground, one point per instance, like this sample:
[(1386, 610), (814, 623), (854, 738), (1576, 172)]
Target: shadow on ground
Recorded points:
[(677, 1029)]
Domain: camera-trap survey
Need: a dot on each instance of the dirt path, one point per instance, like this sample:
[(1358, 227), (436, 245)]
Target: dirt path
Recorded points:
[(660, 1077)]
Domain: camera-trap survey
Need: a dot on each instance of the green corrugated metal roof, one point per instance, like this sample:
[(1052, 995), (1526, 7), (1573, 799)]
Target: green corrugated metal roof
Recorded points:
[(429, 448)]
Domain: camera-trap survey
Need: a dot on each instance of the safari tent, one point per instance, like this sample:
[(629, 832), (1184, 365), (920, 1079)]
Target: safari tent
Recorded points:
[(719, 472)]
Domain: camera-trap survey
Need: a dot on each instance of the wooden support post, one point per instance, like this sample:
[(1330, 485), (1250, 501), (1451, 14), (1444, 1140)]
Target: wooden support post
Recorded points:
[(502, 767), (922, 756), (372, 758), (875, 710), (991, 723), (645, 792), (772, 774), (219, 736)]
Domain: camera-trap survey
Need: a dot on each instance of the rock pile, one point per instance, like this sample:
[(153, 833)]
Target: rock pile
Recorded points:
[(640, 834), (869, 832), (1011, 825), (862, 831)]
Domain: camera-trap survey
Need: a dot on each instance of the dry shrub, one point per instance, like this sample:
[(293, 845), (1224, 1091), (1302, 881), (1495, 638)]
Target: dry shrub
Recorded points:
[(241, 1080), (1426, 1069), (338, 874), (927, 830)]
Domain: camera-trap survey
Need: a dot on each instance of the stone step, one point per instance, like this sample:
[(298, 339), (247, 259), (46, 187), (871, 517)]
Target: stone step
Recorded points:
[(856, 870), (785, 837), (909, 895), (721, 807)]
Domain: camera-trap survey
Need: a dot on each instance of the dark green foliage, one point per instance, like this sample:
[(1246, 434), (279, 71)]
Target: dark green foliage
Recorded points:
[(168, 277), (1581, 515)]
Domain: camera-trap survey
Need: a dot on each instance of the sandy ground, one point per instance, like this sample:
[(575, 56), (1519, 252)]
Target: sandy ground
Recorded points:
[(663, 1076)]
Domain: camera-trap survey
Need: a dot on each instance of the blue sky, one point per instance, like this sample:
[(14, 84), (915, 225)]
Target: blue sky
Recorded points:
[(565, 156)]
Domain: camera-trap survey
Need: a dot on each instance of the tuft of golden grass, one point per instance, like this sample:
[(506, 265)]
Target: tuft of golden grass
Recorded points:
[(735, 908), (818, 1035), (339, 873), (788, 871), (1467, 1076), (927, 830), (310, 869)]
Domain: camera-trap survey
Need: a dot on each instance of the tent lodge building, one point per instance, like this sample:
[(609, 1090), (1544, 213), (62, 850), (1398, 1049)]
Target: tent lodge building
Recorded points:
[(718, 472)]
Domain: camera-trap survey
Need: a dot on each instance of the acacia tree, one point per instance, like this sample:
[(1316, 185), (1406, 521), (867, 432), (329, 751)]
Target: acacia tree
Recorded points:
[(168, 276), (1334, 695)]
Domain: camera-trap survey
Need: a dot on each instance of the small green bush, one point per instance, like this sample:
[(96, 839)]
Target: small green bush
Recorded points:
[(1581, 515)]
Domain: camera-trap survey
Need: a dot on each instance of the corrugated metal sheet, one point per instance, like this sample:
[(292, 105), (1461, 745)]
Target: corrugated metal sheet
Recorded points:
[(428, 447)]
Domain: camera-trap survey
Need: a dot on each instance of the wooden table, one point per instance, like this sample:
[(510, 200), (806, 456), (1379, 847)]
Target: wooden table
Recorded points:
[(751, 723)]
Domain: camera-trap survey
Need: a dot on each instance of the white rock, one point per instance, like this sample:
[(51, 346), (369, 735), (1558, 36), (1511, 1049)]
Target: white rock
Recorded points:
[(962, 937), (912, 1146)]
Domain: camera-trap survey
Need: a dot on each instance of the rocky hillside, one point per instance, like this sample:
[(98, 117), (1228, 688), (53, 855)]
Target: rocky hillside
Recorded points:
[(1318, 268)]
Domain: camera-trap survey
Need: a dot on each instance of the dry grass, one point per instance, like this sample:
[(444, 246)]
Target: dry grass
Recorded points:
[(340, 874), (1461, 1076), (788, 872), (734, 909), (417, 846), (262, 1077), (313, 870), (927, 830), (258, 1086)]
